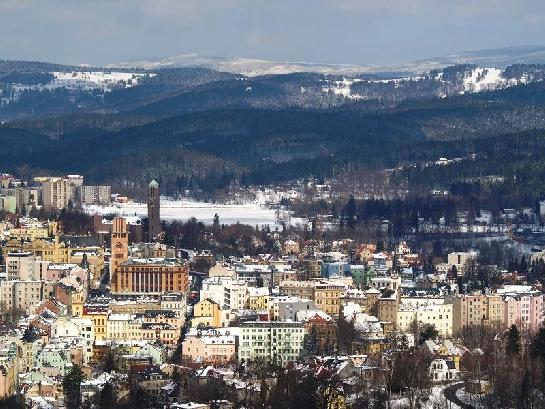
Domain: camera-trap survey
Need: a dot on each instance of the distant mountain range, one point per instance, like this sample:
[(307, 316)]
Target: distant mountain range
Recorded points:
[(500, 58), (30, 90)]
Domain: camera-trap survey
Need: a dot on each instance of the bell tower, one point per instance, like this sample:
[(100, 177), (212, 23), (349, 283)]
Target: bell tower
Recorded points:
[(154, 210), (119, 249)]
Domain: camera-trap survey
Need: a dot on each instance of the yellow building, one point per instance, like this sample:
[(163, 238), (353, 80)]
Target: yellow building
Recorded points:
[(8, 376), (73, 296), (327, 297), (325, 294), (387, 306), (99, 316), (301, 289), (166, 334), (477, 309), (207, 313), (258, 299), (118, 326), (57, 252), (29, 233)]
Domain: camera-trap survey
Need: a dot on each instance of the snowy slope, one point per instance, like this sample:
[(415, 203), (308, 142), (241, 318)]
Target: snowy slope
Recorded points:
[(466, 79), (245, 66), (96, 79), (499, 58)]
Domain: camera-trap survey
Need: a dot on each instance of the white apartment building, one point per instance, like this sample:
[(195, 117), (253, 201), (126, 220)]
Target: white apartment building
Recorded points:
[(271, 341), (459, 260), (438, 315), (228, 293), (20, 295), (76, 327), (57, 192), (20, 266), (93, 195)]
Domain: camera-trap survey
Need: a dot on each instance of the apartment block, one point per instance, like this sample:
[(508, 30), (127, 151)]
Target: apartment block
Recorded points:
[(93, 195), (271, 341)]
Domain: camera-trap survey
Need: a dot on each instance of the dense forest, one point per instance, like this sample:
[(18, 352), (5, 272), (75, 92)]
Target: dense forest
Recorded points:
[(200, 129)]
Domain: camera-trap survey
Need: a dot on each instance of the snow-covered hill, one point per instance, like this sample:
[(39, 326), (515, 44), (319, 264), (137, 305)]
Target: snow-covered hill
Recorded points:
[(245, 66), (89, 80), (453, 80), (499, 58), (95, 79)]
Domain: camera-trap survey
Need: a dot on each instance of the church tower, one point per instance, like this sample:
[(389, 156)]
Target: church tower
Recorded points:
[(154, 215), (119, 250)]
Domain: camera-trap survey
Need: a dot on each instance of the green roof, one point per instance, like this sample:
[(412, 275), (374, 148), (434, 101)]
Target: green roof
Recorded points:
[(153, 183)]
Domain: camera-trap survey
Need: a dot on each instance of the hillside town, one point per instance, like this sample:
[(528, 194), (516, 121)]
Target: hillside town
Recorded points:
[(118, 316)]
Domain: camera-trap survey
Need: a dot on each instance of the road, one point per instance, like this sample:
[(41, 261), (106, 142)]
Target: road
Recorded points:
[(450, 394)]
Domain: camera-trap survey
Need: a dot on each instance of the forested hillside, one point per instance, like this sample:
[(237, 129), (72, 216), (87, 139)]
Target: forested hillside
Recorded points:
[(200, 129)]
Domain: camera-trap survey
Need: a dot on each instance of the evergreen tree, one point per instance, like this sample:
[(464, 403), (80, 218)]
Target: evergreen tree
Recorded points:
[(350, 211), (537, 347), (107, 397), (310, 343), (71, 387), (138, 398), (110, 363), (513, 345), (427, 332), (29, 335), (263, 393)]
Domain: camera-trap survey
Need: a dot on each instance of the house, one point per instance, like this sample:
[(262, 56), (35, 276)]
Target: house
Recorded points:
[(207, 313), (258, 298), (323, 325), (157, 353), (149, 377), (445, 366), (35, 384), (443, 370), (209, 347)]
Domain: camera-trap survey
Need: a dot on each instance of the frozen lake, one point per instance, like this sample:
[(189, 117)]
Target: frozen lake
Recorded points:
[(252, 214)]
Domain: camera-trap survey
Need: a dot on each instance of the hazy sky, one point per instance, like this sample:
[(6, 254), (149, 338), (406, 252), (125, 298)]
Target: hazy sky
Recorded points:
[(328, 31)]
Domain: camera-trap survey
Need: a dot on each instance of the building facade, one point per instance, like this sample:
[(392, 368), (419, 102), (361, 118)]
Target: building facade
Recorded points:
[(150, 277), (271, 341)]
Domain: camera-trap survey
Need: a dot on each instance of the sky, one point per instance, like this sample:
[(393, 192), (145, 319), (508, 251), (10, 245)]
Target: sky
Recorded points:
[(322, 31)]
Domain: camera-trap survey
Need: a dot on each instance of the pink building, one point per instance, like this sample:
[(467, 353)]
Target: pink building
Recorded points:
[(523, 306), (212, 349), (56, 272)]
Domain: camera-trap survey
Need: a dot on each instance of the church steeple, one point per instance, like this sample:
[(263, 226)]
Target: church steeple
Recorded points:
[(154, 210)]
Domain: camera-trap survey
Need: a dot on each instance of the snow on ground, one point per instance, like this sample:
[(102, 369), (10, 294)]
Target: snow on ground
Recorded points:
[(476, 80), (84, 80), (95, 79), (252, 214), (436, 399), (397, 81), (342, 88), (470, 398), (483, 79)]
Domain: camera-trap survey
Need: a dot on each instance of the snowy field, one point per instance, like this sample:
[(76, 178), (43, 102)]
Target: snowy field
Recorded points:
[(252, 214)]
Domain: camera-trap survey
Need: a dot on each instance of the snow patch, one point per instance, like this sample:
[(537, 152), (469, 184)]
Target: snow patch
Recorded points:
[(484, 79), (342, 88), (251, 213), (96, 79)]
